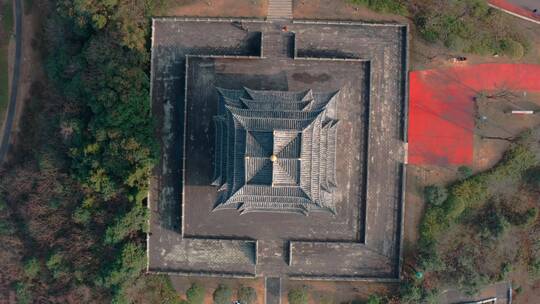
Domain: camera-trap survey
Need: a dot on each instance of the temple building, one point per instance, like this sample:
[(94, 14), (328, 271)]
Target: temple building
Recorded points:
[(276, 150), (283, 149)]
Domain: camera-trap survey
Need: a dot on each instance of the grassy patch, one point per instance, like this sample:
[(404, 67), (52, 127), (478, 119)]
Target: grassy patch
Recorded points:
[(383, 6), (7, 18), (3, 79)]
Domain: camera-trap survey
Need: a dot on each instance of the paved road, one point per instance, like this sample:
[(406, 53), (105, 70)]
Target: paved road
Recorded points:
[(4, 145), (527, 4)]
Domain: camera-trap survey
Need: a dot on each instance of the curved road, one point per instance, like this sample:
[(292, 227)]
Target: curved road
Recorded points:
[(12, 106)]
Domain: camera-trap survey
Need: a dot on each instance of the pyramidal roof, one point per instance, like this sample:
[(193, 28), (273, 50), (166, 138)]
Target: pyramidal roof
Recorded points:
[(275, 151)]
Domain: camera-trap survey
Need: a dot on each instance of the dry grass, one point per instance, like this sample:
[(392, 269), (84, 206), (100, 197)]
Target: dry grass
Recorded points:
[(215, 8)]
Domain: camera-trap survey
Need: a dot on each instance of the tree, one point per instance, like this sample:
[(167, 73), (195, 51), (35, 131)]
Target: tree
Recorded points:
[(195, 294), (129, 223), (247, 295), (82, 215), (223, 294), (435, 195), (56, 264), (127, 266), (31, 268), (24, 295)]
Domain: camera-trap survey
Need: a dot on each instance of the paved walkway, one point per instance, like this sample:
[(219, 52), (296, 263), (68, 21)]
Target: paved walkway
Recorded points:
[(12, 106), (272, 291), (441, 115), (280, 9)]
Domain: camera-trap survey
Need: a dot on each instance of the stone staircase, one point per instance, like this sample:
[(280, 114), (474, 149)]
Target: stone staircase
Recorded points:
[(278, 44), (280, 9)]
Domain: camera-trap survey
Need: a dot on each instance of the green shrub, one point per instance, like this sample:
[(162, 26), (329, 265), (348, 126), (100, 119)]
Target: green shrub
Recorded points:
[(375, 299), (3, 204), (522, 219), (7, 16), (506, 268), (431, 296), (195, 294), (6, 228), (433, 222), (31, 268), (469, 193), (410, 293), (24, 295), (149, 289), (516, 162), (493, 224), (82, 215), (55, 203), (127, 266), (456, 43), (298, 296), (129, 223), (532, 177), (529, 217), (465, 172), (223, 294), (435, 195), (512, 48), (465, 272), (57, 265), (534, 268), (247, 295), (430, 259)]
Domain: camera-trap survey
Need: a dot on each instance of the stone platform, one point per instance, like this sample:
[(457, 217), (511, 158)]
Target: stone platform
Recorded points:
[(366, 63)]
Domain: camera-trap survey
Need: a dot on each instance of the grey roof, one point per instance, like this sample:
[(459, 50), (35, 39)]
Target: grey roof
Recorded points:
[(276, 150)]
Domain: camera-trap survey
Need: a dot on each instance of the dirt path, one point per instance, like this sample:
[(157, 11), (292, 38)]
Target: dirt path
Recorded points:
[(12, 106), (216, 8), (338, 9)]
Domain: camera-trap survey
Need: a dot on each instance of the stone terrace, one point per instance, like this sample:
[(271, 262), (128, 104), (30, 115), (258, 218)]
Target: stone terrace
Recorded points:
[(366, 62)]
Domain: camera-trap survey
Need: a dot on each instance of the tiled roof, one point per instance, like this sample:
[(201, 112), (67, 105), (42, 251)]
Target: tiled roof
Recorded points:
[(275, 150)]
